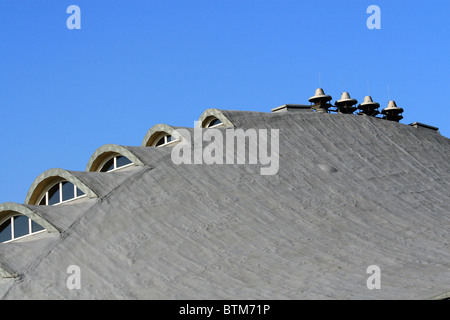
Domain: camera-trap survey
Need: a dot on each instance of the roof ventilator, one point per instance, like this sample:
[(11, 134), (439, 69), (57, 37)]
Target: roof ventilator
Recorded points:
[(392, 112), (346, 104), (320, 101), (368, 107)]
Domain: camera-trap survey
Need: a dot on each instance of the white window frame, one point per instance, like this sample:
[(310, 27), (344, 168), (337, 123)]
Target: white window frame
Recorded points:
[(115, 163), (60, 194), (166, 143), (30, 232)]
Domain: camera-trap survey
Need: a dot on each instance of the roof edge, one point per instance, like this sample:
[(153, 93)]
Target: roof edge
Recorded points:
[(6, 272)]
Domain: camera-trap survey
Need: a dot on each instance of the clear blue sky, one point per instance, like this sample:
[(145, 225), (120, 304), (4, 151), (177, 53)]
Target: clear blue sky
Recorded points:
[(133, 64)]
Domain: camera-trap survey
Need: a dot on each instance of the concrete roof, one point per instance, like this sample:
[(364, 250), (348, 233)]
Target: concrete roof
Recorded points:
[(351, 191)]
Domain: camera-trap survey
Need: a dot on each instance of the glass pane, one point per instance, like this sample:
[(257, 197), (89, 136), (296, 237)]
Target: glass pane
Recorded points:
[(53, 195), (160, 142), (169, 138), (5, 231), (214, 122), (43, 202), (108, 166), (68, 190), (36, 227), (79, 193), (122, 161), (21, 227)]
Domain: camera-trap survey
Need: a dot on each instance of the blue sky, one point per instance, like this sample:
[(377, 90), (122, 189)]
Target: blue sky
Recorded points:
[(134, 64)]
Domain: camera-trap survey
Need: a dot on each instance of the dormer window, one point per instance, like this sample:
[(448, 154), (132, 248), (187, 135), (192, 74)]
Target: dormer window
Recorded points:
[(213, 118), (115, 163), (61, 192), (164, 140), (18, 227), (161, 135), (112, 157)]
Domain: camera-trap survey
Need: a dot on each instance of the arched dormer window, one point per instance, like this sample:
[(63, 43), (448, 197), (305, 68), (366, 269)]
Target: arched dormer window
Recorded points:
[(61, 192), (163, 140), (56, 186), (111, 157), (115, 163), (18, 227), (213, 118), (161, 135)]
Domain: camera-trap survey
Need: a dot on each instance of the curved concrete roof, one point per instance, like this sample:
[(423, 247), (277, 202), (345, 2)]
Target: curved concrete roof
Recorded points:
[(157, 130), (16, 256), (350, 192), (8, 256), (109, 150)]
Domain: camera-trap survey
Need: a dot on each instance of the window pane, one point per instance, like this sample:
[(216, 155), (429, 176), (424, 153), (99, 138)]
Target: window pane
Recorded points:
[(68, 190), (21, 226), (79, 193), (160, 142), (53, 195), (214, 122), (5, 231), (122, 161), (169, 138), (36, 227), (108, 165), (42, 203)]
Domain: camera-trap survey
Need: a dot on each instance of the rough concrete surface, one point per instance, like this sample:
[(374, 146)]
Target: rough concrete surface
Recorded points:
[(351, 191)]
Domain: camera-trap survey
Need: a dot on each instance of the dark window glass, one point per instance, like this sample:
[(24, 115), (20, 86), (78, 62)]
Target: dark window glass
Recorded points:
[(214, 122), (21, 227), (5, 231), (169, 138), (42, 203), (79, 193), (160, 142), (36, 227), (67, 191), (53, 195), (108, 166), (122, 161)]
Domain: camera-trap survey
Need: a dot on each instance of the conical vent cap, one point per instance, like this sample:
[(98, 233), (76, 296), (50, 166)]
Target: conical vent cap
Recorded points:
[(392, 106), (320, 95), (345, 97), (369, 102)]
